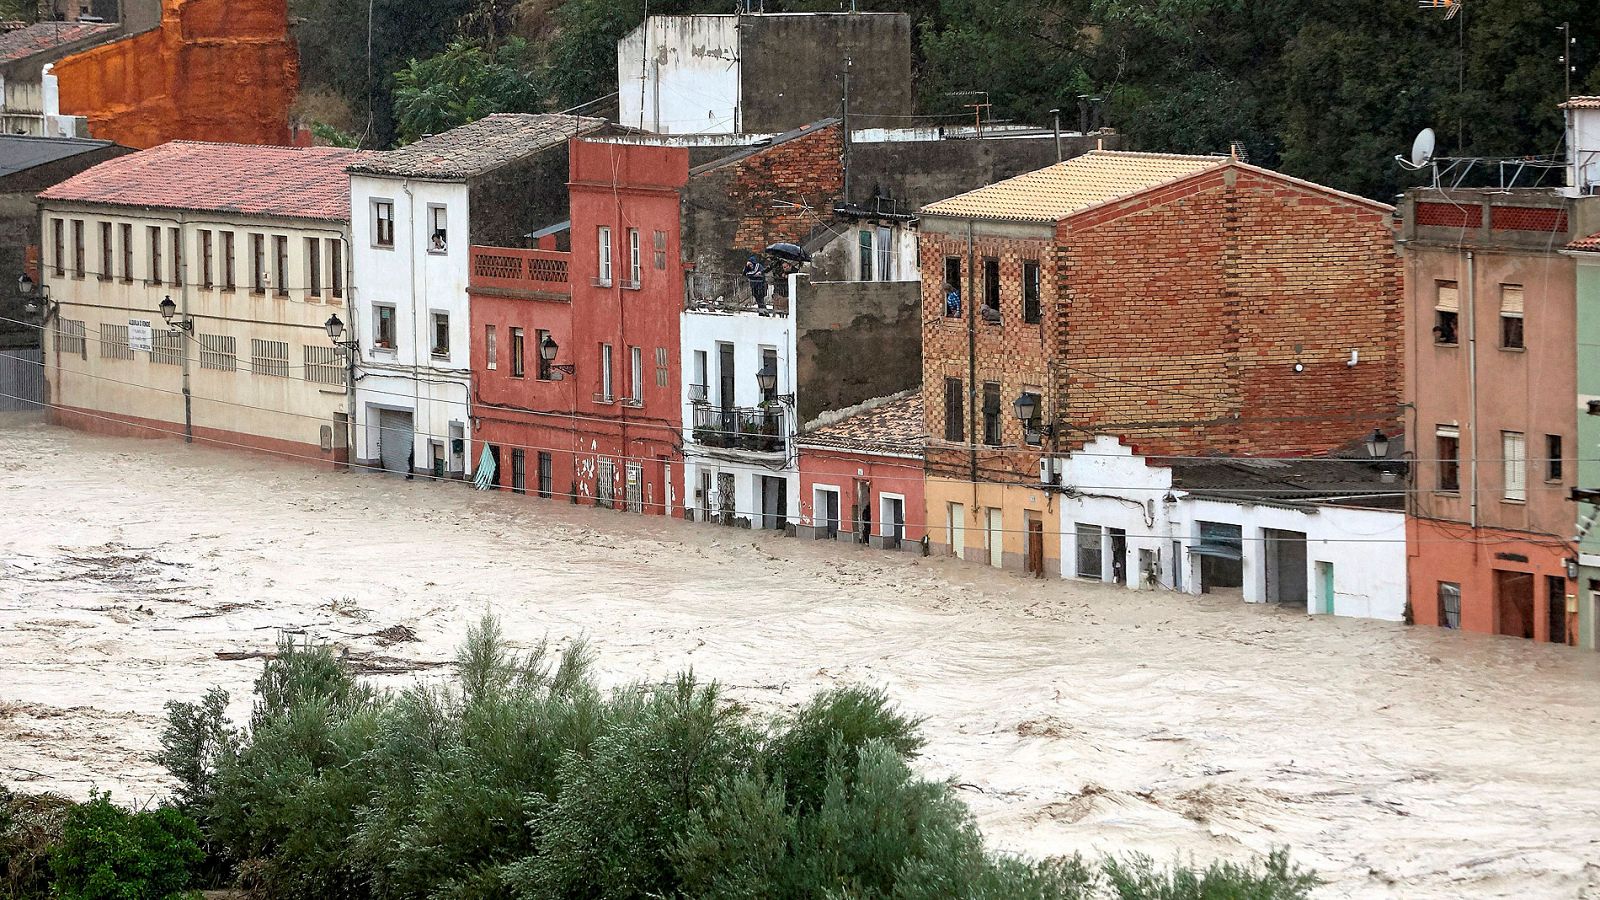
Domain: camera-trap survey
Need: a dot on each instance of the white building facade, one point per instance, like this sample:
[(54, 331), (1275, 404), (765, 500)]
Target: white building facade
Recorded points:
[(740, 461), (413, 384), (1125, 519)]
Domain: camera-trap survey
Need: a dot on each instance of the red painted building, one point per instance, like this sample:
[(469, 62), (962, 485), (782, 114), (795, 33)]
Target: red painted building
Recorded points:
[(861, 477), (598, 423)]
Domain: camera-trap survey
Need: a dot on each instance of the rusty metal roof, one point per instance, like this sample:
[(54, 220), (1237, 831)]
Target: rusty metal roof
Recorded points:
[(1054, 192)]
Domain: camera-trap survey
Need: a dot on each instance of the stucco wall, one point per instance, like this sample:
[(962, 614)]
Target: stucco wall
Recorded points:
[(855, 341), (690, 75), (841, 470), (775, 48), (215, 70)]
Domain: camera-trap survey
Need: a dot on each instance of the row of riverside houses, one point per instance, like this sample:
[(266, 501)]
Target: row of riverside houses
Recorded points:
[(1017, 348)]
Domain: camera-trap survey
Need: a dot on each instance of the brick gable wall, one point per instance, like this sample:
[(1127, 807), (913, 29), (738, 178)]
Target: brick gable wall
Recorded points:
[(807, 170), (1184, 308)]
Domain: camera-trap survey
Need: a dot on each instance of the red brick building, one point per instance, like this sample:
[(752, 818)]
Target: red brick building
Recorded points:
[(1188, 305), (598, 423)]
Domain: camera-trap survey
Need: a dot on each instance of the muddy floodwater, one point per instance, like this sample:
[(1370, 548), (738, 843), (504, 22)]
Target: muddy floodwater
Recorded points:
[(1398, 762)]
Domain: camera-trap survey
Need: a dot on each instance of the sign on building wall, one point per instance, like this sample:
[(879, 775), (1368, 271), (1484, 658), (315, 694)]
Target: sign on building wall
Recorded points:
[(140, 335)]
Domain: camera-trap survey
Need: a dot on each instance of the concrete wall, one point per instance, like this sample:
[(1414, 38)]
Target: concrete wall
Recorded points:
[(519, 198), (416, 282), (775, 47), (143, 397), (920, 172), (680, 75), (855, 341)]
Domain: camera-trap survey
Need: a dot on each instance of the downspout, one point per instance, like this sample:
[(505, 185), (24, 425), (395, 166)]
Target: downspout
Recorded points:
[(972, 362), (416, 374), (1472, 377), (189, 337), (351, 350)]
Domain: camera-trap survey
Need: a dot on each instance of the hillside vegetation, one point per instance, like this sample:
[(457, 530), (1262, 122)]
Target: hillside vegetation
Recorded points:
[(1329, 90)]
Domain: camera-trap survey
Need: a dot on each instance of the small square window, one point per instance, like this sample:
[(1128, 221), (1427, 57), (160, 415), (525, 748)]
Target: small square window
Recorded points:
[(441, 334), (438, 229), (383, 223), (383, 327)]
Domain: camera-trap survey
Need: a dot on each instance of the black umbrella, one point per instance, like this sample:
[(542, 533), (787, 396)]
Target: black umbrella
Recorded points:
[(790, 252)]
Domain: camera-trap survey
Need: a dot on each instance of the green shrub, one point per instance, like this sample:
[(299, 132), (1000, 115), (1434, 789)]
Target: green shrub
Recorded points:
[(30, 827), (1275, 878), (109, 853), (522, 779)]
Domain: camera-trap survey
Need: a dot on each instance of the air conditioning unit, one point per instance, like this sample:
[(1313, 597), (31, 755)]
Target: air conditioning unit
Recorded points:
[(1050, 470)]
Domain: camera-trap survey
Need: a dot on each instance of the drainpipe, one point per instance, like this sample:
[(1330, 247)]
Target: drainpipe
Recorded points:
[(972, 362), (416, 372), (188, 335), (1472, 377)]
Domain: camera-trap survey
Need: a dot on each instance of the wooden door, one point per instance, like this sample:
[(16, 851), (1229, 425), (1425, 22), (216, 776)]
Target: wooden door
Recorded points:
[(1036, 547)]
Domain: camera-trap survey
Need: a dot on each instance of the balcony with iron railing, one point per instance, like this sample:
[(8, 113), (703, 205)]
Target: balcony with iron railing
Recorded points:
[(757, 429), (539, 274)]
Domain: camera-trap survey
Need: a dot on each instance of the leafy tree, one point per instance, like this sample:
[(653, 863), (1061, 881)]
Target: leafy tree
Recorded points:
[(461, 85)]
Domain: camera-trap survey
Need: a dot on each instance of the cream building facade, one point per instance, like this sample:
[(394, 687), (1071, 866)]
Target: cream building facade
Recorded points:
[(188, 290)]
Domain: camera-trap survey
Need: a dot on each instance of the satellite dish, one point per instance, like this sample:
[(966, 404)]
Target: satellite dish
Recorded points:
[(1422, 149)]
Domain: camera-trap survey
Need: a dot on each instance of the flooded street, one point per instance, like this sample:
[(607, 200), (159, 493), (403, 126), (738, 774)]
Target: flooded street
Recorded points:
[(1073, 717)]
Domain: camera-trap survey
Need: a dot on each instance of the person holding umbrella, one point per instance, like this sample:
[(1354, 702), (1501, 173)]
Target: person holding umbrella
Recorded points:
[(756, 273)]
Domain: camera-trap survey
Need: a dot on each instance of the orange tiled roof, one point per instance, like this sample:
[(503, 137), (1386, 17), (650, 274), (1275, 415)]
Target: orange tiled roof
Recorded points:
[(1054, 192), (1582, 103), (290, 182), (1592, 242), (895, 427)]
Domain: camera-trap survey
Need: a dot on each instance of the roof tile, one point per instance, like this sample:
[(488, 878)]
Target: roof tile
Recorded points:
[(894, 427), (1052, 193), (290, 182), (478, 147), (37, 38)]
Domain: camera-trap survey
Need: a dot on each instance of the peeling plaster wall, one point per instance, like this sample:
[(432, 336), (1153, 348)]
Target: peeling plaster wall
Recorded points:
[(216, 70), (680, 75)]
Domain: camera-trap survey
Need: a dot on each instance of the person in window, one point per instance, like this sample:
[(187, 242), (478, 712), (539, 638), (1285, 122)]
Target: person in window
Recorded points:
[(438, 242), (952, 301), (990, 315), (756, 274)]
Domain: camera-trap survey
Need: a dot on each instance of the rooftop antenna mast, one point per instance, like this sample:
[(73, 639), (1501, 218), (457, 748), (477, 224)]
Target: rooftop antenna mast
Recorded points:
[(1568, 45), (979, 107)]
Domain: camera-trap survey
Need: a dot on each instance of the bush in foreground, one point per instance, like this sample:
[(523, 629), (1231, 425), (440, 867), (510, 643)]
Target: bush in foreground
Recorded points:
[(109, 853), (522, 779)]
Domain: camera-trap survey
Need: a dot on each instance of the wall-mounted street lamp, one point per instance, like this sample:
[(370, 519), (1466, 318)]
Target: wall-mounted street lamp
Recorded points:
[(548, 348), (1377, 444), (169, 310), (1028, 406), (767, 380), (35, 297)]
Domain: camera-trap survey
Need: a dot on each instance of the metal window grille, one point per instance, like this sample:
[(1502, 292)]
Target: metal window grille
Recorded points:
[(269, 358), (114, 342), (324, 365), (1449, 604), (70, 338), (219, 352), (605, 490), (166, 348)]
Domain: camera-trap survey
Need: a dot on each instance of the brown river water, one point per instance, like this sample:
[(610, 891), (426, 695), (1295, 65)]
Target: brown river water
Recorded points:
[(1397, 762)]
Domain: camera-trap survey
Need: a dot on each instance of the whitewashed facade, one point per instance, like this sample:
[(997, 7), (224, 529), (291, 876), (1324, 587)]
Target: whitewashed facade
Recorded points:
[(740, 462), (410, 318), (1123, 521)]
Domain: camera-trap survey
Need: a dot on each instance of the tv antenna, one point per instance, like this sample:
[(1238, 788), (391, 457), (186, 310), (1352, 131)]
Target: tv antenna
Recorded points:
[(1568, 45), (1450, 7)]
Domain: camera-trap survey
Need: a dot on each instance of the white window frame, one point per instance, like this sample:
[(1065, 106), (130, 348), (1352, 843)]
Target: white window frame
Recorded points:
[(1514, 463), (635, 269), (603, 247), (377, 327), (636, 373), (491, 348), (379, 204), (435, 211), (819, 505), (433, 334), (606, 394)]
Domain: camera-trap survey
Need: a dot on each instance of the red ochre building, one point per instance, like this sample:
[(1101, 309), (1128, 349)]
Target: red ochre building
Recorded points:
[(861, 476), (600, 422)]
